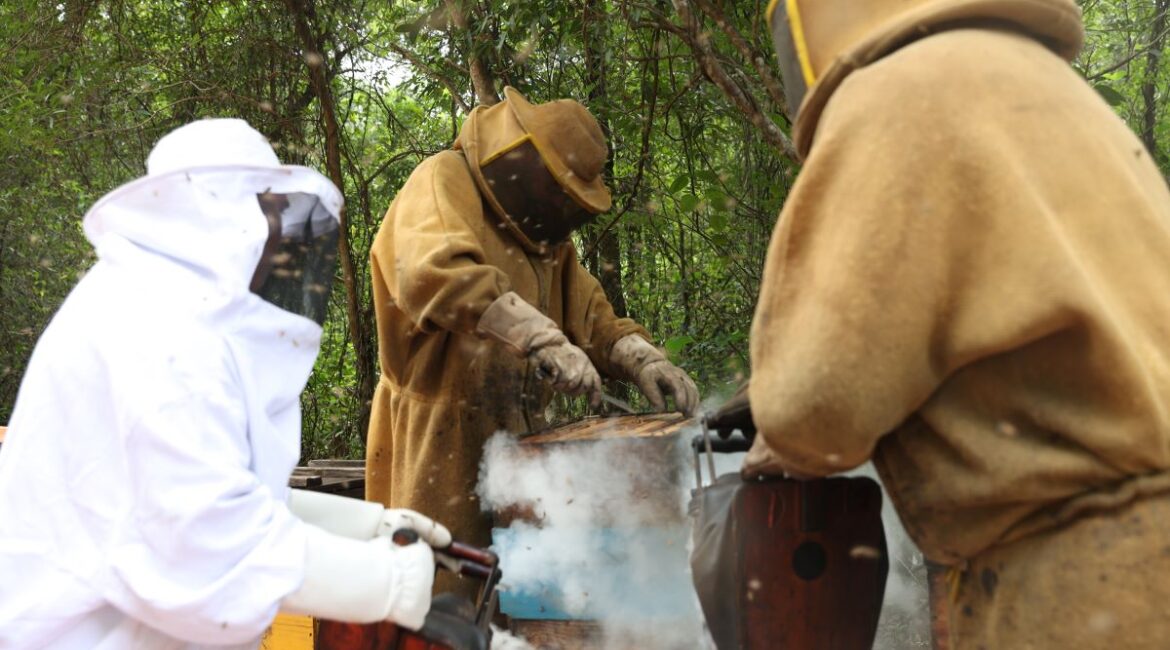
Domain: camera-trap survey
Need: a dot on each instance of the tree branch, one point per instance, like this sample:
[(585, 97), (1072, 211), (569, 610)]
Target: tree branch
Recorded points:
[(700, 46)]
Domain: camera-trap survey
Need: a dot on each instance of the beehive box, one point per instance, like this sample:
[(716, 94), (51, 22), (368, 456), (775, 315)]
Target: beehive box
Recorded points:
[(653, 438), (655, 448)]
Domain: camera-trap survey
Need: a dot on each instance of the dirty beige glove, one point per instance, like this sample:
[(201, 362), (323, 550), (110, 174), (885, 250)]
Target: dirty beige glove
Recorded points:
[(640, 361), (528, 333), (359, 519), (369, 581)]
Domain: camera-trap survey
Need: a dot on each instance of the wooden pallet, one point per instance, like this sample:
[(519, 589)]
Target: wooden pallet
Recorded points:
[(344, 477)]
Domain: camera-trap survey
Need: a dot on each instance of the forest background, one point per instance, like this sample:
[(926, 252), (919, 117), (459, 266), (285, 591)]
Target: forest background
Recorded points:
[(687, 91)]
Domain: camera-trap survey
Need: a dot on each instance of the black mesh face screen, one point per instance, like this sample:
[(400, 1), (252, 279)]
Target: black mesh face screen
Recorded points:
[(296, 270), (531, 198)]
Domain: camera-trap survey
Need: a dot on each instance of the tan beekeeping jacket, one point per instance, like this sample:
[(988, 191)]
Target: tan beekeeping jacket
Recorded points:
[(970, 283), (438, 261)]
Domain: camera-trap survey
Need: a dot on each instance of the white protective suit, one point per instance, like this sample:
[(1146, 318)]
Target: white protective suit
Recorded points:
[(143, 480)]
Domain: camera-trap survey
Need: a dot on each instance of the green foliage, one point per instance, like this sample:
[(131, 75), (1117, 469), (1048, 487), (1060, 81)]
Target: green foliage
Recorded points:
[(1124, 59), (89, 85)]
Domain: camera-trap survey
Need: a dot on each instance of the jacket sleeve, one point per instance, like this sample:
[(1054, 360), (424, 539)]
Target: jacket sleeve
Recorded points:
[(589, 320), (207, 551), (881, 276), (429, 252)]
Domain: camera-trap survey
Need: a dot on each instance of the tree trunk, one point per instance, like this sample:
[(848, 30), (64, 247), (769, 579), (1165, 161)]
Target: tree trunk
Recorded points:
[(359, 329), (1153, 68), (609, 251), (482, 79), (692, 33)]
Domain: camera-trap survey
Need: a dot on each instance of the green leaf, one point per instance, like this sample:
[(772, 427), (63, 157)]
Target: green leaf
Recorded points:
[(680, 184), (688, 202), (707, 176), (677, 344), (717, 199), (1110, 95), (718, 221)]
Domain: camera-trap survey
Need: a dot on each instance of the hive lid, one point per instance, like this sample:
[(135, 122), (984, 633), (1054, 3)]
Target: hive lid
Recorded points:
[(655, 425)]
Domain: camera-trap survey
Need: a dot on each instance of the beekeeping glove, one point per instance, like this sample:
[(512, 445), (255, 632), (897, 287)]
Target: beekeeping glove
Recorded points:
[(528, 333), (656, 377), (735, 413), (354, 581), (357, 519)]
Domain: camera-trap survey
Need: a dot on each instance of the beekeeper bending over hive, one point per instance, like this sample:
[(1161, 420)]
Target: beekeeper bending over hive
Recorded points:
[(143, 478), (481, 302)]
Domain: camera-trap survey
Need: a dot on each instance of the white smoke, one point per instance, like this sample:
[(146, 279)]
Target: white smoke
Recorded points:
[(611, 542), (504, 640)]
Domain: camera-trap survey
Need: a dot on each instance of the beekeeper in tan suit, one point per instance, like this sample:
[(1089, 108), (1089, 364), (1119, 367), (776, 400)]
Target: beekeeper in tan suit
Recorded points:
[(482, 304), (970, 283)]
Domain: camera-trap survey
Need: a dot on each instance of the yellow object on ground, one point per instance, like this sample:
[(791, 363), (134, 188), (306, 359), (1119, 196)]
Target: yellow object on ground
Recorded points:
[(289, 632)]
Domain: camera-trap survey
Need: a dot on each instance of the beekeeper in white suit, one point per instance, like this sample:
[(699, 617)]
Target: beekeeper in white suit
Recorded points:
[(143, 482)]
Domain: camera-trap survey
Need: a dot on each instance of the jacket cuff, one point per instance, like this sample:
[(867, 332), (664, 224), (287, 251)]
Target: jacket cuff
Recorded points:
[(631, 353), (519, 326)]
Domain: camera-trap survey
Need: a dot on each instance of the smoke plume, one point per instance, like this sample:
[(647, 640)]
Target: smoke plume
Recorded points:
[(604, 536)]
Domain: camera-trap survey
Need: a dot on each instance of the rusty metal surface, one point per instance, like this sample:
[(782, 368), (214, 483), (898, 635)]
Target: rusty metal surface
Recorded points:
[(790, 564), (655, 425), (939, 613)]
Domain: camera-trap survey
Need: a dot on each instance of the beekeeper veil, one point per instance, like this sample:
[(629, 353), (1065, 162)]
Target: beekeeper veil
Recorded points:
[(295, 270), (217, 199), (538, 166), (222, 235)]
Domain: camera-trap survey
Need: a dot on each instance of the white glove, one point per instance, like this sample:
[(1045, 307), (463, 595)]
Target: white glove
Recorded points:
[(363, 520), (640, 361), (353, 581), (528, 333), (429, 530)]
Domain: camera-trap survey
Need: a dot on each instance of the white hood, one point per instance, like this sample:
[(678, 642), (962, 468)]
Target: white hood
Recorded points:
[(143, 477), (195, 207)]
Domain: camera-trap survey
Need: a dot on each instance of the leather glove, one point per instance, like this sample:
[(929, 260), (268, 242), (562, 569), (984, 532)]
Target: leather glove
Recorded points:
[(368, 581), (656, 377), (528, 333), (735, 413), (363, 520)]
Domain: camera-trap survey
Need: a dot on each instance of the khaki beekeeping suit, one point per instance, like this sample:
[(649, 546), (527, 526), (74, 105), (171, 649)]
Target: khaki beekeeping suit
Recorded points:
[(448, 261), (970, 283)]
